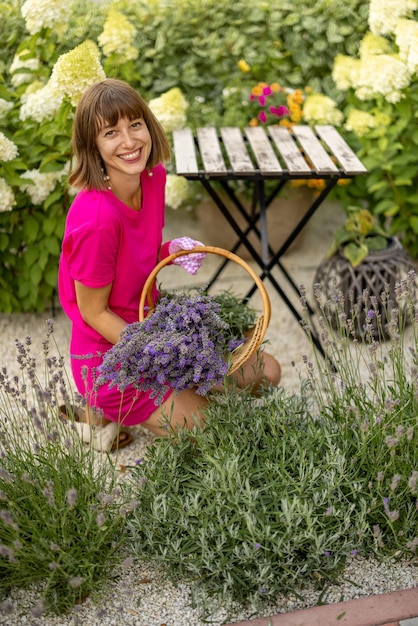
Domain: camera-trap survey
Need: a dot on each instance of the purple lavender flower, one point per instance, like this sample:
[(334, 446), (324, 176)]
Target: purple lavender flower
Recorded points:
[(181, 345)]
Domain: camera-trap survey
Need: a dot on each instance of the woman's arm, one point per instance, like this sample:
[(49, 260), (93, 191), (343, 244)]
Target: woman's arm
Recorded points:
[(93, 305)]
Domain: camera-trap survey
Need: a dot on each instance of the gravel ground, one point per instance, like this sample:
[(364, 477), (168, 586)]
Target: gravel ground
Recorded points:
[(140, 597)]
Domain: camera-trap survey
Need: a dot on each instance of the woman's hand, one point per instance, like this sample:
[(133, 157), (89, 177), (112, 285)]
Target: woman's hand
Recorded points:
[(190, 262)]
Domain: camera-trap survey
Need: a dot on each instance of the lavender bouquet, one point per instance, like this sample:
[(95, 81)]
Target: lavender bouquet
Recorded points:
[(181, 345)]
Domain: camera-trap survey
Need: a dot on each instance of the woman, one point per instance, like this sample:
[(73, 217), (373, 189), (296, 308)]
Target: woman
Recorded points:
[(112, 241)]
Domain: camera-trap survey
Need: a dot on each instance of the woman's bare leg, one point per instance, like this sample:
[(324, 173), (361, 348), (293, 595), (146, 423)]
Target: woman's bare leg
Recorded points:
[(260, 368), (182, 410)]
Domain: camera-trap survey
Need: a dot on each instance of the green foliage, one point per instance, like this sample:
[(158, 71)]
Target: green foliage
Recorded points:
[(280, 42), (278, 492), (240, 316), (358, 236), (271, 495), (268, 496), (388, 152), (191, 44), (382, 116), (61, 517)]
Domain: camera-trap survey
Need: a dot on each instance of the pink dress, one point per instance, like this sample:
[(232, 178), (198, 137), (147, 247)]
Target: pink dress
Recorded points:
[(106, 242)]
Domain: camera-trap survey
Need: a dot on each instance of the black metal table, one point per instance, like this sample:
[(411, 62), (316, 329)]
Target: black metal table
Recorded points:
[(218, 157)]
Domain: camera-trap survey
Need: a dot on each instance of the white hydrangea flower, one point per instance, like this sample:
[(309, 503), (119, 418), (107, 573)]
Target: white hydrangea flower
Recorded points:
[(7, 199), (8, 149), (374, 44), (118, 36), (18, 63), (382, 74), (170, 109), (40, 104), (5, 107), (360, 122), (384, 14), (176, 191), (406, 37), (320, 109), (76, 70), (40, 14), (43, 184), (345, 71)]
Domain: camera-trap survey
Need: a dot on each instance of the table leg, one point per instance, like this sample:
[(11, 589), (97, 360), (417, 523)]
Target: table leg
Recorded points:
[(269, 259)]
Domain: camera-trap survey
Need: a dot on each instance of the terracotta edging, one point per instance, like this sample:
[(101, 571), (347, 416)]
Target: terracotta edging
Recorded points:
[(371, 611)]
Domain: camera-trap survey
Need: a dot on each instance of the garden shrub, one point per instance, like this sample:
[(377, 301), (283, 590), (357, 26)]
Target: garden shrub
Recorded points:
[(191, 44), (278, 492), (62, 515), (378, 84), (268, 498)]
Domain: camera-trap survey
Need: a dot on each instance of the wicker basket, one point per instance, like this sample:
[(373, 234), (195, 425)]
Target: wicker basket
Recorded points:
[(254, 336)]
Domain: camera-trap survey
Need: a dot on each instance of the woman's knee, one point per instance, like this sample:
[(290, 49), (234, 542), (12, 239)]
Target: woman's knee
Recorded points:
[(271, 369), (182, 410)]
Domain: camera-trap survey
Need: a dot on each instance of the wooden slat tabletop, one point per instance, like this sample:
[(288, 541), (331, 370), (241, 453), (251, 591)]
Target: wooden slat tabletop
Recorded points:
[(263, 151), (289, 150), (210, 151), (184, 151), (236, 150), (301, 152), (314, 151), (350, 163)]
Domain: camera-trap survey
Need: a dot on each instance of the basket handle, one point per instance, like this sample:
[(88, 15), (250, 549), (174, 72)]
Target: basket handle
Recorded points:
[(146, 295)]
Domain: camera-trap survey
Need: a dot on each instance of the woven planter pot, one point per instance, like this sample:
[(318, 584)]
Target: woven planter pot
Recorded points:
[(378, 274)]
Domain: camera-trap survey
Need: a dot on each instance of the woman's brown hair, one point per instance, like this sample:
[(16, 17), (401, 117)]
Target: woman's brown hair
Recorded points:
[(108, 101)]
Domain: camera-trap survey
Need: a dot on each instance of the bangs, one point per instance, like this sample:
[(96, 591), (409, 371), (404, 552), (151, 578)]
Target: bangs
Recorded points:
[(113, 105)]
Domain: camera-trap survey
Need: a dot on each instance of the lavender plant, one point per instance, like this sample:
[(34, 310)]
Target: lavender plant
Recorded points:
[(373, 399), (181, 345), (281, 492), (62, 517)]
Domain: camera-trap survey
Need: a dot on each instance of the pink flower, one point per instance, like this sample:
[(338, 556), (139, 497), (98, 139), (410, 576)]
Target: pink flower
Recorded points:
[(267, 91), (262, 117), (279, 111)]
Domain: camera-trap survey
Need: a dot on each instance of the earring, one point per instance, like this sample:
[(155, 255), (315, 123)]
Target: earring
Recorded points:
[(106, 178)]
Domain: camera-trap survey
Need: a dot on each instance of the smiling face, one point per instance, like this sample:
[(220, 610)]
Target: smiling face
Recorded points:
[(112, 122), (124, 148)]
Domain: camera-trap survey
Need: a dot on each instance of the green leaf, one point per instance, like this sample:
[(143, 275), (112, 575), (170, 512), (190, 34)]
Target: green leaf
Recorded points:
[(43, 258), (50, 276), (4, 241), (392, 210), (401, 181), (413, 222), (35, 274), (53, 197), (377, 242), (30, 229), (24, 288), (31, 255), (412, 199), (52, 245), (48, 225), (355, 253)]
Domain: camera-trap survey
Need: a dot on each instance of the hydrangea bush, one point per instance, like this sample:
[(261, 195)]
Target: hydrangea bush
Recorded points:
[(380, 84)]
